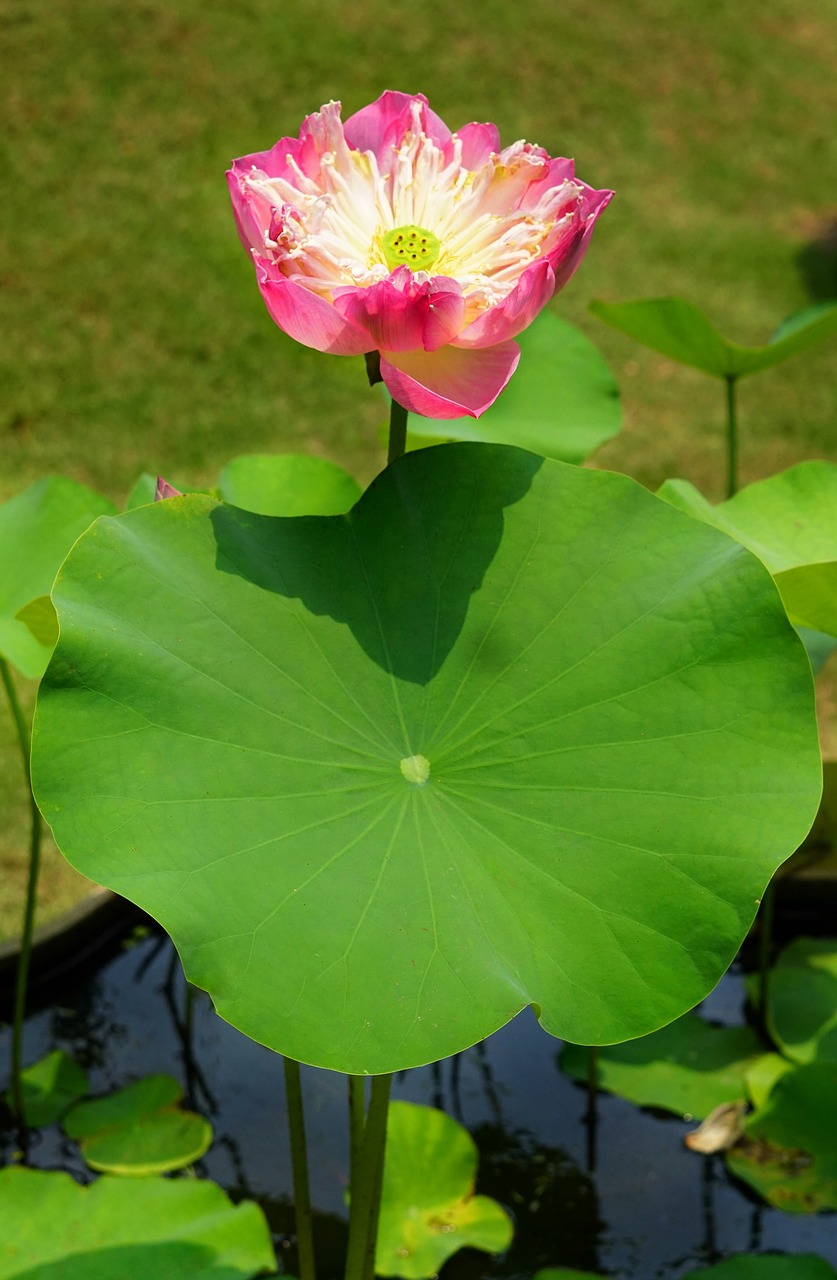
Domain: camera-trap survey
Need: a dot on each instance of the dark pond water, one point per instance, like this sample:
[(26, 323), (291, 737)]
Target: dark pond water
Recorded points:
[(648, 1209)]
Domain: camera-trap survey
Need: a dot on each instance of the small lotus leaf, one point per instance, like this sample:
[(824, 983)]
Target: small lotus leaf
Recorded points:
[(688, 1067), (565, 1273), (142, 491), (563, 401), (790, 522), (786, 1266), (50, 1087), (679, 330), (511, 732), (287, 484), (428, 1206), (41, 619), (37, 529), (762, 1074), (802, 1000), (53, 1229), (789, 1149), (139, 1130)]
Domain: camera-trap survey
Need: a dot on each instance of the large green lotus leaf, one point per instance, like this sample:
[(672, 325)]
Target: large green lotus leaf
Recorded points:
[(287, 484), (50, 1086), (139, 1130), (789, 1149), (428, 1206), (563, 401), (749, 1266), (37, 529), (802, 1000), (688, 1067), (790, 522), (53, 1229), (682, 332), (510, 733)]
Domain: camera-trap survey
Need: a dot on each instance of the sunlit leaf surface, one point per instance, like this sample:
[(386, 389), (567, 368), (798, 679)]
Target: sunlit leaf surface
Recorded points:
[(510, 733)]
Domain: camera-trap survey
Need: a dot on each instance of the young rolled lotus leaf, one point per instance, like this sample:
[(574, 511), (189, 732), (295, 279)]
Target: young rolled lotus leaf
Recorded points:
[(789, 1149), (53, 1229), (509, 733), (139, 1130), (428, 1207), (50, 1087), (790, 522), (750, 1266), (688, 1067), (37, 529), (679, 330), (802, 1000), (287, 484), (562, 402)]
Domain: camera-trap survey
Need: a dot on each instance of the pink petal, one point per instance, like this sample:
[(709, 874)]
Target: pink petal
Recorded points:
[(307, 317), (401, 314), (383, 124), (163, 490), (392, 319), (451, 382), (445, 316), (479, 143), (567, 254), (517, 310)]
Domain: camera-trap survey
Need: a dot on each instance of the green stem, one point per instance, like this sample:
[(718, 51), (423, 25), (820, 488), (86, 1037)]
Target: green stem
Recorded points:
[(766, 913), (366, 1181), (397, 431), (357, 1118), (299, 1164), (732, 437), (22, 977)]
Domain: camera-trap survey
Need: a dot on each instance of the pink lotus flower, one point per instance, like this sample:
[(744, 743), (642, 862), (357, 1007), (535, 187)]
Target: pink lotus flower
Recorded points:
[(389, 233)]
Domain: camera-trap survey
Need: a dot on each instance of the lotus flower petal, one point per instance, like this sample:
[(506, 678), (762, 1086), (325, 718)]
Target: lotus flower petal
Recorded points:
[(389, 233), (450, 382)]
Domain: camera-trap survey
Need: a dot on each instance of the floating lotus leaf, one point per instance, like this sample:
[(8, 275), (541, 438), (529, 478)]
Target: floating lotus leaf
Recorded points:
[(688, 1067), (53, 1229), (802, 1000), (563, 401), (428, 1207), (564, 1273), (789, 1149), (37, 529), (682, 332), (790, 522), (50, 1087), (139, 1130), (510, 733), (748, 1266), (287, 484)]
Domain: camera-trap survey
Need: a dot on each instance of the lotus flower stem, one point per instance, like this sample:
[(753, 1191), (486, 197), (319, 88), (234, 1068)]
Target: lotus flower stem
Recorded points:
[(299, 1163), (397, 431), (366, 1183), (22, 977), (732, 437), (766, 913), (357, 1115)]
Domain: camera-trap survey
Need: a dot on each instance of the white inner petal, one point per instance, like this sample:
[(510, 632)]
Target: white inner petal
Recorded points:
[(330, 230)]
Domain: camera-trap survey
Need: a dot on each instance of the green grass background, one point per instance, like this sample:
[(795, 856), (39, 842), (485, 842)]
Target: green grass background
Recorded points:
[(132, 335)]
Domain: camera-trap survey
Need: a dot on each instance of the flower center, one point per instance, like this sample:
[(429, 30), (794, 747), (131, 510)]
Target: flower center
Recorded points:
[(416, 769), (411, 247)]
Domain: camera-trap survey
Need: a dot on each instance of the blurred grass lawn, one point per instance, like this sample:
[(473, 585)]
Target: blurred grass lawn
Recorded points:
[(133, 334)]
